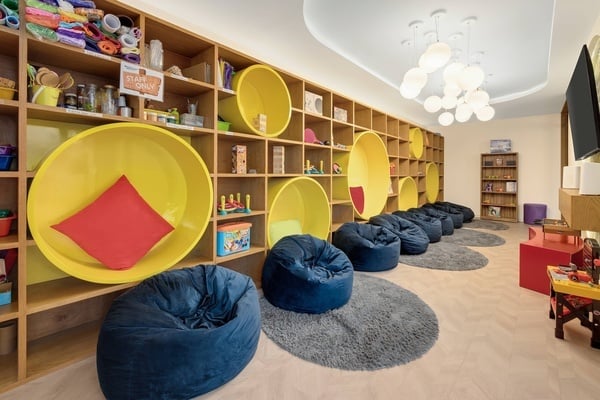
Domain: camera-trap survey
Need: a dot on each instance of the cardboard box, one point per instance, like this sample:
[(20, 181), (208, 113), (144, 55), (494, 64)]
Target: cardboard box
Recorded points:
[(260, 123), (199, 72), (340, 114), (8, 337), (313, 103), (238, 159), (233, 238), (279, 159)]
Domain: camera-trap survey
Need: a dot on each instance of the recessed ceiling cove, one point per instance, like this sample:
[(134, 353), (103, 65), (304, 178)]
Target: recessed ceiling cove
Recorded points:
[(510, 40)]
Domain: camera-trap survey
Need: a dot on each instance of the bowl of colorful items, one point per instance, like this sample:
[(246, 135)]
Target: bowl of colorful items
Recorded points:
[(6, 218), (7, 155)]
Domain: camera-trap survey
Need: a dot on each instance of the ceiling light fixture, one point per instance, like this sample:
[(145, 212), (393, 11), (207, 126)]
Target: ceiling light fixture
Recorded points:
[(462, 89)]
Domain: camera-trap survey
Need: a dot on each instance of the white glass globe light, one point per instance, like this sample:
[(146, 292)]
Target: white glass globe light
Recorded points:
[(425, 65), (471, 77), (437, 55), (409, 91), (477, 99), (432, 104), (448, 102), (460, 100), (452, 72), (485, 113), (452, 89), (446, 118), (463, 112), (415, 77)]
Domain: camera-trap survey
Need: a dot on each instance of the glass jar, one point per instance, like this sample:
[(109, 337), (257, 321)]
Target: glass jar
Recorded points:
[(109, 102), (91, 101), (81, 96), (71, 101)]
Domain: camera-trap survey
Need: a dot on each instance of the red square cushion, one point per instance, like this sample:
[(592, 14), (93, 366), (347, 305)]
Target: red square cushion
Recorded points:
[(118, 228)]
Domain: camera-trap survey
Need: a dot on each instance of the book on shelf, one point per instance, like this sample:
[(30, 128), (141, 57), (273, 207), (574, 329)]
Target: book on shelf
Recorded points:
[(511, 187)]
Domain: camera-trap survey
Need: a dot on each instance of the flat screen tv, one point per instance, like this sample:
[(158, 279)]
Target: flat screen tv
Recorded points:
[(582, 105)]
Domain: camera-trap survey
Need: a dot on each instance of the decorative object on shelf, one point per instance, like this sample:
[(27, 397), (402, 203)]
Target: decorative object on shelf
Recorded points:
[(183, 181), (279, 159), (260, 123), (500, 146), (489, 187), (487, 163), (6, 219), (336, 168), (499, 162), (494, 211), (340, 114), (233, 237), (310, 169), (238, 159), (232, 205), (313, 103)]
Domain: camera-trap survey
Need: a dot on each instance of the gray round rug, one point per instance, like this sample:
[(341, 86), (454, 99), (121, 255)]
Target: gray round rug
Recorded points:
[(381, 326), (446, 256), (472, 237), (486, 224)]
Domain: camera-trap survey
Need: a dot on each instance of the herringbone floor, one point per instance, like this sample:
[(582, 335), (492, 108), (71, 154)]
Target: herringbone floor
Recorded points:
[(495, 342)]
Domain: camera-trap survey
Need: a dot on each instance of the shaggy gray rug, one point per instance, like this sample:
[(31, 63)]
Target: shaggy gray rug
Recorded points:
[(381, 326), (446, 256), (485, 224), (471, 237)]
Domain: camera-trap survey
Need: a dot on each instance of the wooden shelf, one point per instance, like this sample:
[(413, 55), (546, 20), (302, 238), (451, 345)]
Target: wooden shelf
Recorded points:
[(581, 212), (498, 171)]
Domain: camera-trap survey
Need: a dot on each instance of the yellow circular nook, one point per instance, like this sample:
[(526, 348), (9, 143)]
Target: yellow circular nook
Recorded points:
[(415, 137), (432, 182), (261, 104), (368, 174), (297, 206), (167, 173), (408, 196)]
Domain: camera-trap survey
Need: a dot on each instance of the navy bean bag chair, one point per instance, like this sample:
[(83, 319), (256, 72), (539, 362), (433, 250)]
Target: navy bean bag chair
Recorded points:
[(306, 274), (467, 212), (445, 219), (413, 240), (369, 247), (178, 334), (432, 226), (457, 217)]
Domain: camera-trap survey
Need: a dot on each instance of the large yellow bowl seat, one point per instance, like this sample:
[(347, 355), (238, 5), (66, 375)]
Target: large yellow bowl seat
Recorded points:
[(297, 206), (432, 182), (408, 196), (166, 171), (259, 90)]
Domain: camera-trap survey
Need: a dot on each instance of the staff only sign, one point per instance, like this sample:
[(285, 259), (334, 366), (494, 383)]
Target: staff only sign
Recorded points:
[(142, 82)]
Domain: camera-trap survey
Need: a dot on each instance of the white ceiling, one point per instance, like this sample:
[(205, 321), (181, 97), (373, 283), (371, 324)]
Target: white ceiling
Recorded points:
[(355, 47)]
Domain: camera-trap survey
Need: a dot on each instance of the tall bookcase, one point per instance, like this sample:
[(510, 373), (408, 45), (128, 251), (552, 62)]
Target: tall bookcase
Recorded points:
[(499, 189), (57, 316)]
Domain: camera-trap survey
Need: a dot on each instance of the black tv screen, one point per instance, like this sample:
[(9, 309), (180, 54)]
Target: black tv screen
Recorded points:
[(582, 105)]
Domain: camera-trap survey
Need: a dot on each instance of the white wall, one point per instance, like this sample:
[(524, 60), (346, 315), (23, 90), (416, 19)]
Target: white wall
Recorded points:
[(536, 139)]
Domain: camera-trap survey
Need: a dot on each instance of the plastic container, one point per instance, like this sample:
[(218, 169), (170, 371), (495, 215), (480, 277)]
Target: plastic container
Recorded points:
[(233, 238), (223, 125), (5, 162), (7, 93)]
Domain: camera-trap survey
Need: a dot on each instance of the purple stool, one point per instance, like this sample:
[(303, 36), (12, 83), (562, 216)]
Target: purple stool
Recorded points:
[(533, 213)]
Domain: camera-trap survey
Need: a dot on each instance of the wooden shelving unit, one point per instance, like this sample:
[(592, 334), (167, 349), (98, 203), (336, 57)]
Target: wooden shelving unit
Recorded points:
[(57, 318), (499, 189)]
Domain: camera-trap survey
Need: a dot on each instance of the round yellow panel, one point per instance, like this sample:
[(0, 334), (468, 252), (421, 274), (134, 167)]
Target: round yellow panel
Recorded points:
[(368, 174), (259, 90), (415, 137), (167, 172), (432, 182), (297, 206), (408, 196)]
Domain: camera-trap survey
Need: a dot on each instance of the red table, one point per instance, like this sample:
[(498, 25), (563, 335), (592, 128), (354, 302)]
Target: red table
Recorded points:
[(538, 252)]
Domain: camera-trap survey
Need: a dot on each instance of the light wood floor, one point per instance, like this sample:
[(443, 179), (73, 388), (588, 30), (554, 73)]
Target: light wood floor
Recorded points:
[(496, 342)]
